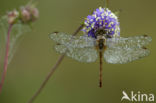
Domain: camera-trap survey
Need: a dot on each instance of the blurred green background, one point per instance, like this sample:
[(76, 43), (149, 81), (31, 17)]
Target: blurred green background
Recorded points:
[(75, 82)]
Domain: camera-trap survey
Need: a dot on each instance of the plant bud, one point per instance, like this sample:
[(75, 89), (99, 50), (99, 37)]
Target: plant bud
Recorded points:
[(29, 14), (26, 16), (13, 16)]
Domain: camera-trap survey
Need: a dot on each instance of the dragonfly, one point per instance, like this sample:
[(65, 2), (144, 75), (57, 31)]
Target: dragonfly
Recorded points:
[(114, 50)]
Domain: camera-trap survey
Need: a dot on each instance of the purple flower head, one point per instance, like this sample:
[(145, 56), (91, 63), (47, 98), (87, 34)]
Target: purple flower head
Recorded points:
[(102, 18)]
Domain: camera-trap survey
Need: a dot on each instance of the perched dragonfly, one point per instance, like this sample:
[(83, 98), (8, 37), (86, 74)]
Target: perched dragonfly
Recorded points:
[(102, 40), (117, 50)]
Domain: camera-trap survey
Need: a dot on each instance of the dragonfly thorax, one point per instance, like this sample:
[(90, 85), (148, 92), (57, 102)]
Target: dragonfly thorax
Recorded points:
[(101, 42), (102, 32)]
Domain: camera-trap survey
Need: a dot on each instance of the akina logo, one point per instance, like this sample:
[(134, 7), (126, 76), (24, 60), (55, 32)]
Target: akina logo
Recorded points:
[(137, 97)]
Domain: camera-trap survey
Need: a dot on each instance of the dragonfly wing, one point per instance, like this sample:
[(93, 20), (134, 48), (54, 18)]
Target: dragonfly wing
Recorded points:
[(60, 38), (83, 54), (73, 41), (124, 55), (80, 54), (130, 42), (60, 48)]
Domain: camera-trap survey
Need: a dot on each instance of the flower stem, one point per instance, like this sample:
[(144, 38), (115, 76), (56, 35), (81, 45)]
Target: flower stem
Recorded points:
[(106, 2), (52, 71), (6, 57), (0, 58)]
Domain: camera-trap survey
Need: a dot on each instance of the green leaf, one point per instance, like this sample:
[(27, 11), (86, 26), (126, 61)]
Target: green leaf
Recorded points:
[(17, 33)]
